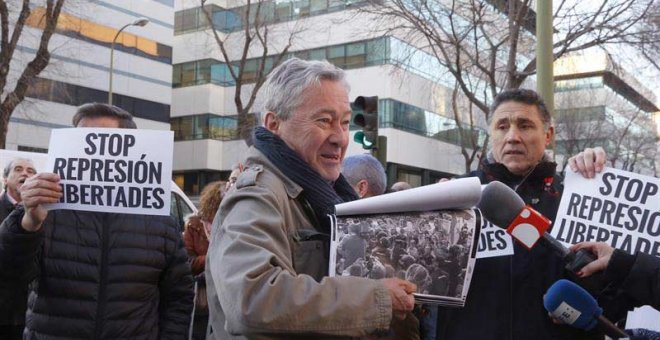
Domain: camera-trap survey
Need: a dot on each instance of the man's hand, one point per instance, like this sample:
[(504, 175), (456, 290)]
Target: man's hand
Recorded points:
[(601, 250), (588, 162), (37, 190), (401, 293)]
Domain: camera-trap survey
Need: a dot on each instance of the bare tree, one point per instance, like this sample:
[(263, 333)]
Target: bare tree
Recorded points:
[(626, 134), (471, 147), (9, 41), (256, 35), (577, 130), (633, 142), (488, 45)]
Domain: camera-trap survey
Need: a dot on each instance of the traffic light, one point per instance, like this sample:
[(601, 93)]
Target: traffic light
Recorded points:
[(367, 118)]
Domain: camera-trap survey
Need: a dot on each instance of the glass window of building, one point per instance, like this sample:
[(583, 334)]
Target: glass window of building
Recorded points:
[(188, 74), (377, 51), (301, 8), (356, 55), (317, 54), (336, 55), (189, 20), (283, 10), (316, 6), (336, 5)]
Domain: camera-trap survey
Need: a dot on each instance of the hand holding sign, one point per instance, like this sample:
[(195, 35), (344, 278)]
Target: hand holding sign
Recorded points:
[(37, 190), (588, 162), (113, 170), (618, 207)]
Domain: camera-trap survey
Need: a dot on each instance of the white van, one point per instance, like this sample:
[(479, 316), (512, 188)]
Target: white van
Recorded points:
[(180, 205)]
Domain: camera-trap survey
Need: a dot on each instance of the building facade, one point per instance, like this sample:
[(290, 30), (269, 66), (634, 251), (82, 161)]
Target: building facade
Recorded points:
[(171, 74), (414, 93), (80, 65), (599, 103)]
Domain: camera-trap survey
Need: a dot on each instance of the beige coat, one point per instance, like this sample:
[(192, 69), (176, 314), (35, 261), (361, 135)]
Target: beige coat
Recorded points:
[(270, 279)]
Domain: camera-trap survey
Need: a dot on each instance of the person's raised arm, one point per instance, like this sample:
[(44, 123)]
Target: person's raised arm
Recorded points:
[(638, 275)]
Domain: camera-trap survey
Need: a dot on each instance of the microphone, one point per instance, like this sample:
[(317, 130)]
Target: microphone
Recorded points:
[(571, 304), (504, 208)]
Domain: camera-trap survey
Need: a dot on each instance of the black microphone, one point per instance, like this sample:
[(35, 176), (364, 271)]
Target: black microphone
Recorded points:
[(504, 208), (572, 305)]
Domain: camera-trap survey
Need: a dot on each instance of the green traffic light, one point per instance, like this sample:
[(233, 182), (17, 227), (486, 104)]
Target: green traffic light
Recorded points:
[(359, 138)]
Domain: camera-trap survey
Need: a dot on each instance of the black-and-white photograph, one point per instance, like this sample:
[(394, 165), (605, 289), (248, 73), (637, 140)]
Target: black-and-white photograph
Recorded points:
[(430, 249)]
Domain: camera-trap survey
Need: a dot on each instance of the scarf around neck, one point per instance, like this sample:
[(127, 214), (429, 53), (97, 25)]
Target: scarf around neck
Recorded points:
[(321, 195)]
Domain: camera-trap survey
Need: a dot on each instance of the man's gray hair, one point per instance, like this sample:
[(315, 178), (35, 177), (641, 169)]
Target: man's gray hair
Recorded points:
[(286, 84), (7, 169), (358, 167)]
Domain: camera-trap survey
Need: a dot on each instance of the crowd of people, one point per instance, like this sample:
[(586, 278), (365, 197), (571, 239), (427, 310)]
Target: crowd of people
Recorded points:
[(254, 263), (428, 250)]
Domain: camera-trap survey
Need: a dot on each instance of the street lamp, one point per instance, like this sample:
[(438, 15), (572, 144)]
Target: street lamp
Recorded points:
[(138, 22)]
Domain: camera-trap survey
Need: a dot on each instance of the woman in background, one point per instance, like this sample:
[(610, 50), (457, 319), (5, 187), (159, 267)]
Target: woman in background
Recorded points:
[(196, 238)]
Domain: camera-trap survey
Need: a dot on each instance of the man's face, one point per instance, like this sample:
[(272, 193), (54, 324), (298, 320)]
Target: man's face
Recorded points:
[(519, 138), (20, 170), (318, 130)]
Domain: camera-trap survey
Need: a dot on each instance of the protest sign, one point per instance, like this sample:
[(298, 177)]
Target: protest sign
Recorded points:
[(112, 170), (494, 241), (616, 207)]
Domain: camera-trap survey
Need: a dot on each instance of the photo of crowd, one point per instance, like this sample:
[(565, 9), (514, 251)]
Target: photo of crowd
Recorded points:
[(430, 249)]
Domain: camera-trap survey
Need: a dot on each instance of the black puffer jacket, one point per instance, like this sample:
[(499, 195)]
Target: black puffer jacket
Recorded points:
[(505, 300), (13, 300), (99, 275)]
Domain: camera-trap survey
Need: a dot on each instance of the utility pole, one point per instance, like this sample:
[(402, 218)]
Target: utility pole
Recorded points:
[(544, 56)]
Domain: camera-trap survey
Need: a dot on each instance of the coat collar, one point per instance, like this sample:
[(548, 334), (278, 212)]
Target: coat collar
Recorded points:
[(256, 158)]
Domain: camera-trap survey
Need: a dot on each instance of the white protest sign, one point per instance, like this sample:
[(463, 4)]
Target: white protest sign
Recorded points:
[(616, 207), (113, 170), (494, 241)]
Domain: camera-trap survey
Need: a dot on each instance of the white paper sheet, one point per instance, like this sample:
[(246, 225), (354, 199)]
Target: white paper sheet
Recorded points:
[(113, 170), (461, 193)]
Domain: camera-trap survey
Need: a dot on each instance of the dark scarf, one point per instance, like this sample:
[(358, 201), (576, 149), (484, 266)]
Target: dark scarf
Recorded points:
[(321, 195)]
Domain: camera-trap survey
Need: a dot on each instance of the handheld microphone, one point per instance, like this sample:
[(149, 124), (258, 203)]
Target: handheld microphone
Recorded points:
[(571, 304), (504, 208)]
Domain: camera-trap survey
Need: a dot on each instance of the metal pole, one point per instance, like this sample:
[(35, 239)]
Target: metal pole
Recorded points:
[(544, 56), (112, 62), (139, 22)]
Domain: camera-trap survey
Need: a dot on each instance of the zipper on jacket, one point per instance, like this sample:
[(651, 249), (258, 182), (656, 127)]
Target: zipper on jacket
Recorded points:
[(103, 271)]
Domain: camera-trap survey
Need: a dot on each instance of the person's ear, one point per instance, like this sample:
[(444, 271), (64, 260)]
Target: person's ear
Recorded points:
[(272, 122), (362, 188), (549, 135)]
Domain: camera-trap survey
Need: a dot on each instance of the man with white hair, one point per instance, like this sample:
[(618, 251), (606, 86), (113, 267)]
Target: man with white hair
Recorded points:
[(365, 174), (14, 175), (12, 313), (267, 265)]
